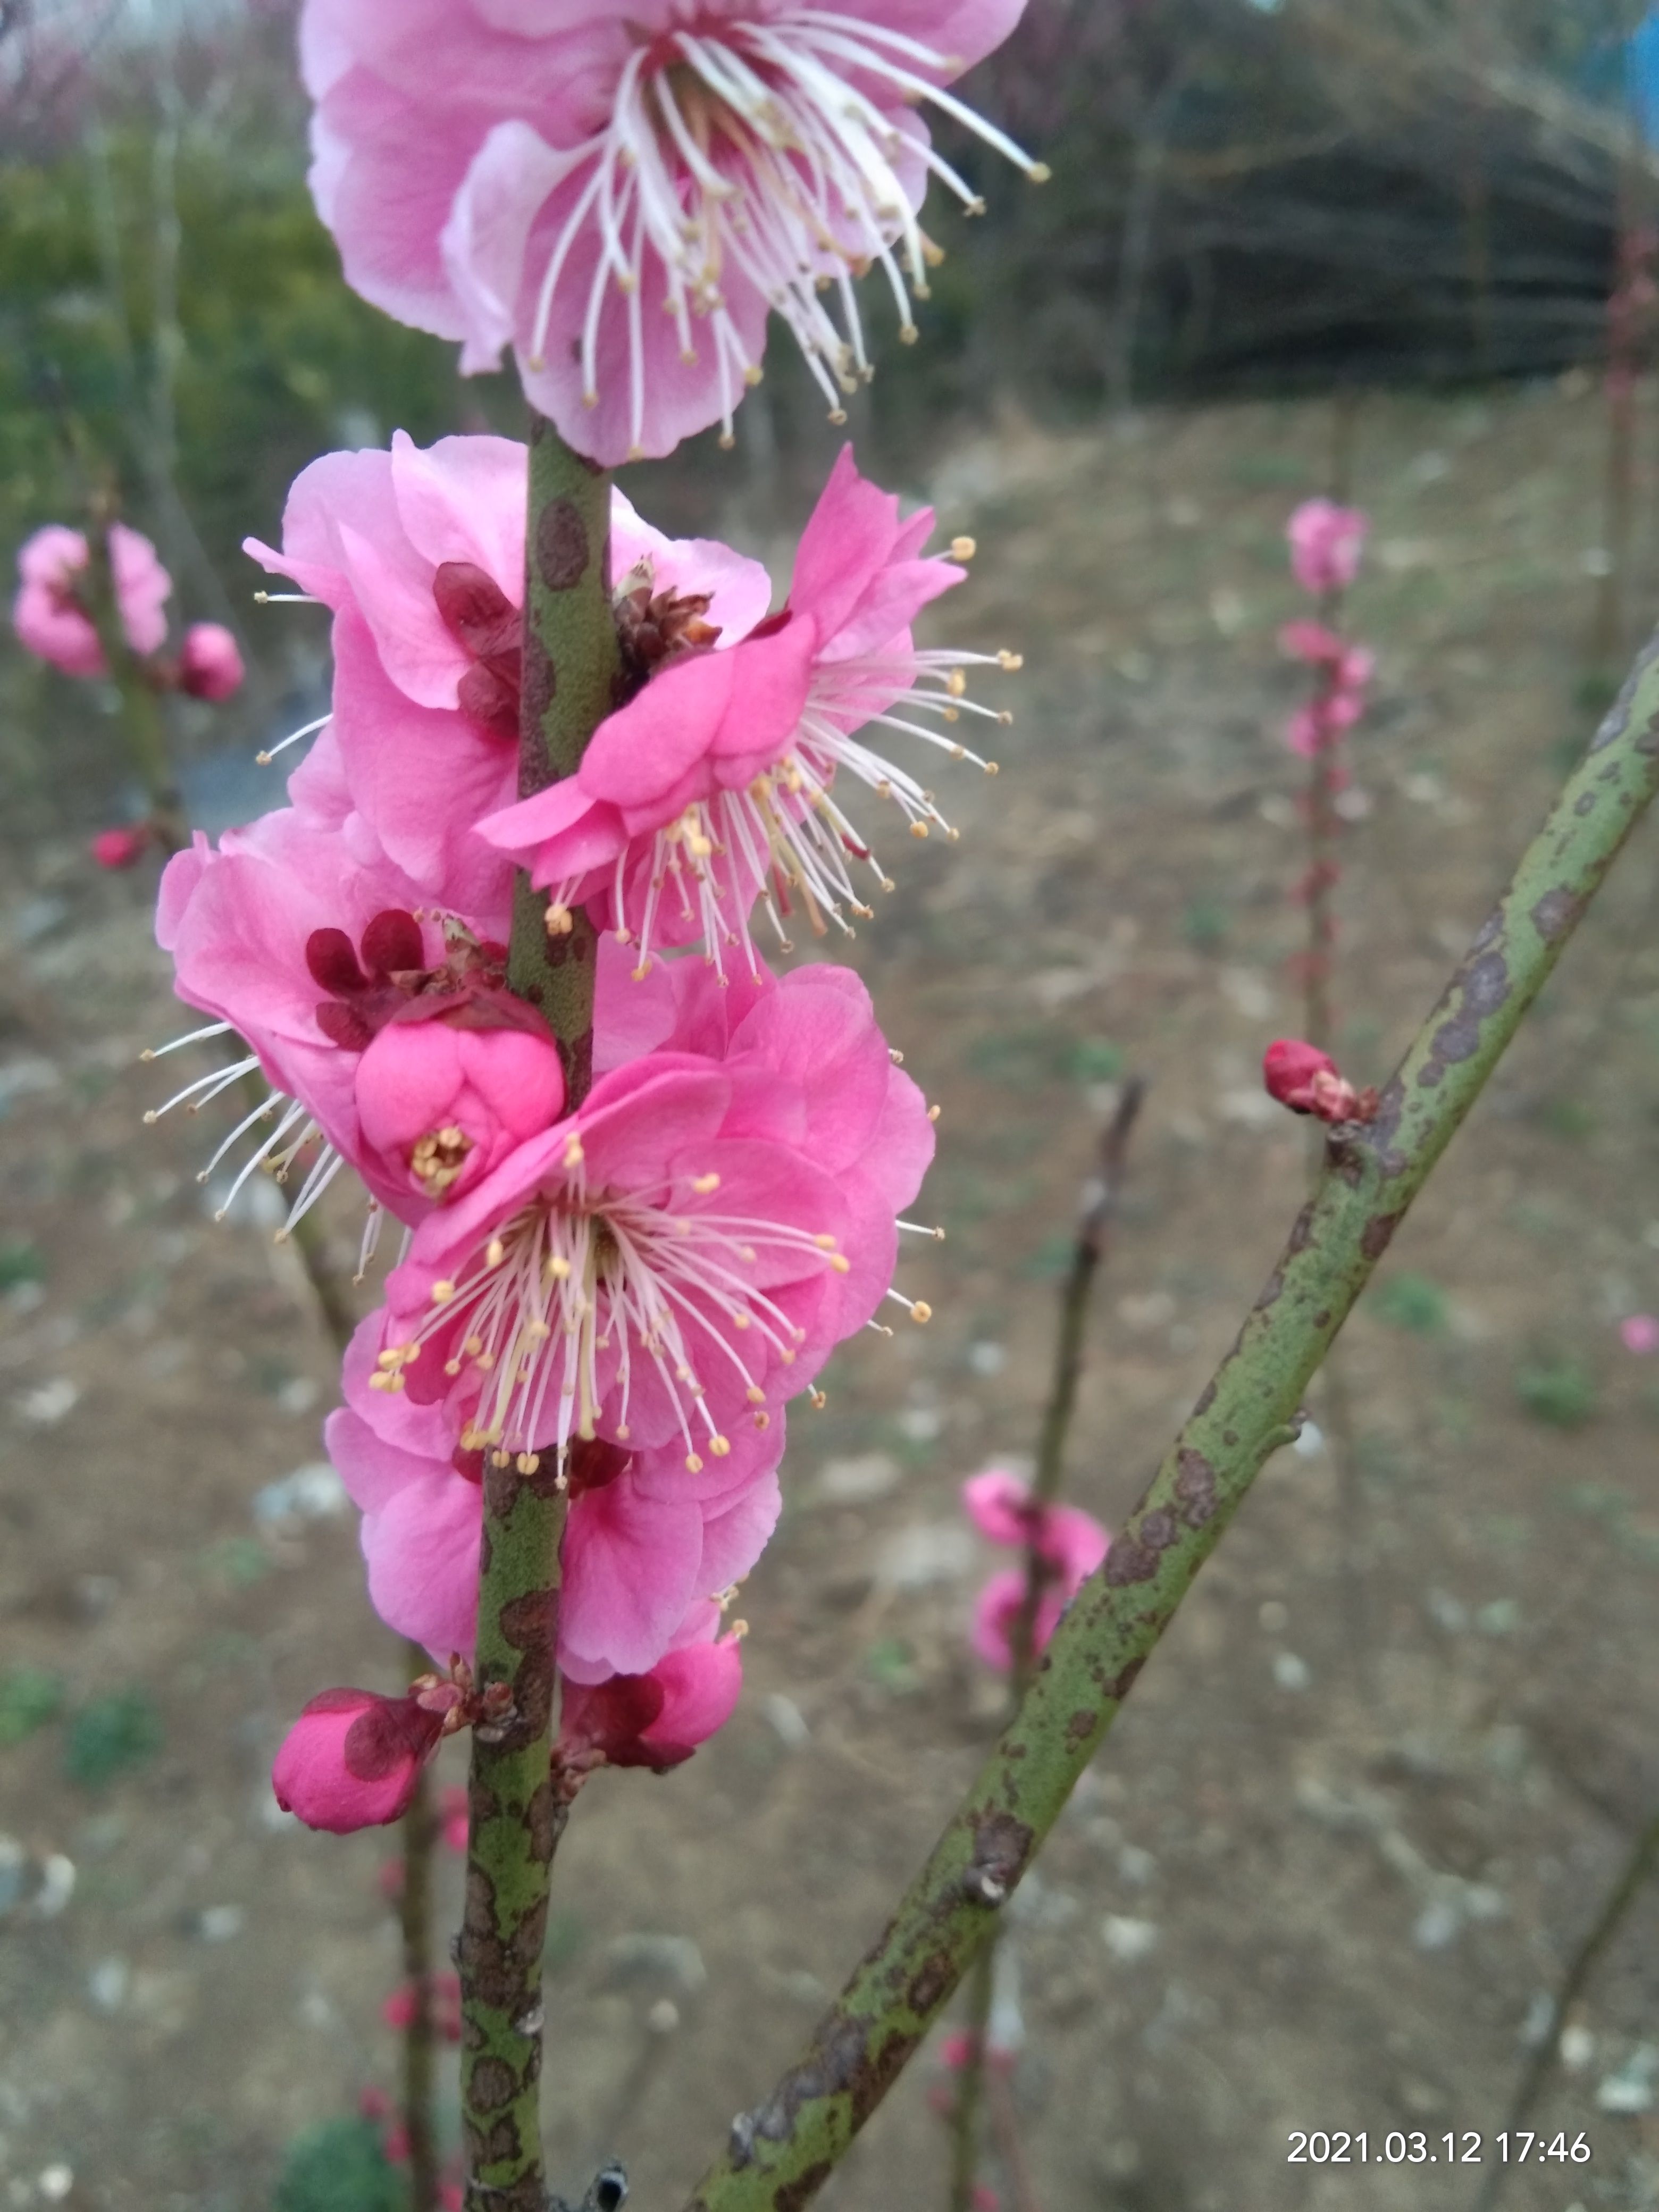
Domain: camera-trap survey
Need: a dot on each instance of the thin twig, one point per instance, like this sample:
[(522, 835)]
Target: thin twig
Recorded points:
[(781, 2155), (1097, 1213), (1642, 1864)]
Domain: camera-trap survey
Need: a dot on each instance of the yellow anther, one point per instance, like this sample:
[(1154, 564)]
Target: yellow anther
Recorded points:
[(895, 1055), (719, 1446), (443, 1292), (824, 1243), (451, 1367), (703, 1184), (761, 1420), (934, 1113), (389, 1359), (574, 1155), (382, 1381), (962, 548), (991, 769), (559, 1268), (752, 375), (693, 1464), (737, 1630), (908, 333), (501, 1459), (537, 1331), (486, 1360), (1010, 661), (1039, 172), (819, 1400), (921, 1312), (494, 1252)]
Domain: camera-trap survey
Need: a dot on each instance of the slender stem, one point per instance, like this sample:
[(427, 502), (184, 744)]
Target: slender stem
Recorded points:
[(571, 663), (1638, 1868), (420, 1832), (140, 704), (1004, 2123), (1097, 1212), (971, 2083), (784, 2152)]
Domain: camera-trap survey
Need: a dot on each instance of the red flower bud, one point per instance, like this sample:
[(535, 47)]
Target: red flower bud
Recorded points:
[(1309, 1081), (121, 848)]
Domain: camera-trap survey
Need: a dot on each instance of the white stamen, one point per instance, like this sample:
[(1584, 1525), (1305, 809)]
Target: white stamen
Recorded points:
[(570, 1300), (264, 759), (749, 146)]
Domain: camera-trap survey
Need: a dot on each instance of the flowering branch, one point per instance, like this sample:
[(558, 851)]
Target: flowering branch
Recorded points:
[(780, 2154), (570, 666)]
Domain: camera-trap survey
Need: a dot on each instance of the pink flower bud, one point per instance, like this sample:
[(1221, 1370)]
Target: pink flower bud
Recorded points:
[(352, 1759), (121, 848), (209, 664), (1309, 1081), (1326, 542), (446, 1103), (1640, 1333), (1312, 642), (444, 2003), (452, 1813)]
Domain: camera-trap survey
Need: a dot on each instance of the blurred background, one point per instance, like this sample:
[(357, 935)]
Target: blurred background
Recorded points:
[(1368, 1796)]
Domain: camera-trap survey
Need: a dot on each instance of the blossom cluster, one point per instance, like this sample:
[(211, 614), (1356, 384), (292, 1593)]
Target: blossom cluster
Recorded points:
[(615, 1294), (1062, 1546), (1326, 543), (55, 620)]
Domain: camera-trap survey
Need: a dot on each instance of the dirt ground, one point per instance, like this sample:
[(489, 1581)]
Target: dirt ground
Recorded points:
[(1344, 1839)]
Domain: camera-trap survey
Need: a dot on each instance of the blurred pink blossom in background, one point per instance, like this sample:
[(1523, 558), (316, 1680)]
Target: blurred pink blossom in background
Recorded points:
[(47, 615)]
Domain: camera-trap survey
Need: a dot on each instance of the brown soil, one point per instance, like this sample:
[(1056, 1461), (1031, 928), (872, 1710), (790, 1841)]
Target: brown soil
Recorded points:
[(1349, 1828)]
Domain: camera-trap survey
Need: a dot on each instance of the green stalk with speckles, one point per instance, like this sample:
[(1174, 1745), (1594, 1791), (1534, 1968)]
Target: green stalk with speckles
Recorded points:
[(570, 667), (780, 2155)]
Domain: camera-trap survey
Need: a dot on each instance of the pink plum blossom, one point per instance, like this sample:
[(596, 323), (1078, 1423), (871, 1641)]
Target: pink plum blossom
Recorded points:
[(682, 1252), (621, 193), (718, 778), (645, 1537), (1326, 544), (352, 1759), (660, 1718), (308, 951), (209, 662), (421, 555), (1639, 1333), (1068, 1543), (49, 613)]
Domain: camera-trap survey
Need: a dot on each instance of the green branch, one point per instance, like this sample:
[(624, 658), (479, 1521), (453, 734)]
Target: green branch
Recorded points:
[(571, 663), (781, 2154)]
